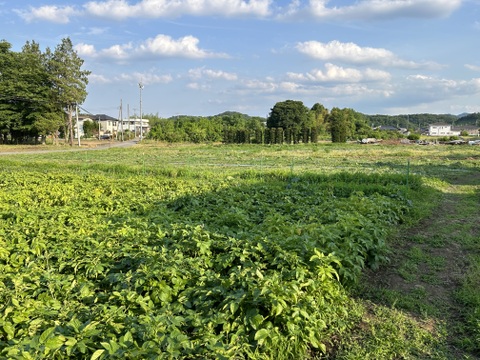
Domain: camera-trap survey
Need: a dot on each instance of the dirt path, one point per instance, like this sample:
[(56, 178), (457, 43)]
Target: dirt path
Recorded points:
[(429, 261), (101, 146)]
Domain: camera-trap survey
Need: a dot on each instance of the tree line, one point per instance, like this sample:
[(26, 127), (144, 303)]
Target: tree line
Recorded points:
[(289, 122), (39, 91)]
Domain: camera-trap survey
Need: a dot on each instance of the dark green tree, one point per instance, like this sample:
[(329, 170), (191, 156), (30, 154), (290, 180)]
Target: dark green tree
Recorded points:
[(319, 119), (43, 115), (342, 124), (69, 80), (9, 99), (89, 128), (289, 114)]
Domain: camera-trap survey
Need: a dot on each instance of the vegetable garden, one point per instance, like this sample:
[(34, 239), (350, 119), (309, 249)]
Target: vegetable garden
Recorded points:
[(144, 258)]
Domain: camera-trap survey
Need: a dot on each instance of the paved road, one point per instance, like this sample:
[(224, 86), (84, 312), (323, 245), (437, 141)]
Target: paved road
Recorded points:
[(106, 145)]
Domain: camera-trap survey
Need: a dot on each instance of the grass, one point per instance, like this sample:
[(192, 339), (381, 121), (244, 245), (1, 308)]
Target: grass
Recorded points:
[(424, 304)]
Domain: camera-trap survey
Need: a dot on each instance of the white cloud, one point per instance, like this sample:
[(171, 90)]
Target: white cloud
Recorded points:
[(439, 87), (52, 13), (200, 73), (159, 46), (334, 73), (472, 67), (187, 46), (320, 9), (197, 86), (98, 79), (383, 9), (355, 54), (147, 78), (85, 50), (121, 9)]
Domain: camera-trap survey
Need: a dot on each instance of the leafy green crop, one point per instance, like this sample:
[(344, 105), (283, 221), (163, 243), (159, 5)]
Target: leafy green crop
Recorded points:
[(94, 266)]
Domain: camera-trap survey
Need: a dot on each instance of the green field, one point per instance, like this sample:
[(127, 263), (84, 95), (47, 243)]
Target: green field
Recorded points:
[(265, 252)]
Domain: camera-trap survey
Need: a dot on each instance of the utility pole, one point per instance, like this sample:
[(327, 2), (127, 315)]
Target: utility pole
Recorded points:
[(140, 85), (78, 125), (135, 121), (121, 117), (128, 118)]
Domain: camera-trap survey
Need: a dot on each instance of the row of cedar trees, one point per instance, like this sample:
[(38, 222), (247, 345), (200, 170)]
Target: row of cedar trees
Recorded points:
[(292, 122), (288, 122), (270, 136)]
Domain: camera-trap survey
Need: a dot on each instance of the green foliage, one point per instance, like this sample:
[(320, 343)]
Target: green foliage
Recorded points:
[(36, 88), (289, 114), (229, 127), (195, 266), (89, 128), (342, 124), (411, 121), (413, 136)]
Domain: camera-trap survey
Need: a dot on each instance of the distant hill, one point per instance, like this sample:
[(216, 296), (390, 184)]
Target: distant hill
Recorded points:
[(469, 119), (416, 121), (235, 114)]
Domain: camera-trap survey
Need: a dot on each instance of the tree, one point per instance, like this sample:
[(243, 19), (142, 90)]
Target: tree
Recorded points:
[(342, 124), (319, 116), (43, 115), (8, 97), (69, 80), (89, 128), (289, 115), (36, 88)]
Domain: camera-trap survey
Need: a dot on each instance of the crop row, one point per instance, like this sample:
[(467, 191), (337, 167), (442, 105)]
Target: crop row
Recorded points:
[(142, 267)]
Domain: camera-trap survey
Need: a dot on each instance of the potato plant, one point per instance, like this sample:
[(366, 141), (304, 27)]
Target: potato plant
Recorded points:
[(242, 266)]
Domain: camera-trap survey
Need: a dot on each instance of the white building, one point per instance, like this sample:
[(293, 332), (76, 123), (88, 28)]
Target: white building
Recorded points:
[(441, 129), (134, 125), (108, 125)]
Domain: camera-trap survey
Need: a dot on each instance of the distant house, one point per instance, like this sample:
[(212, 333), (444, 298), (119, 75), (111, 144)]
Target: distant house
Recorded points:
[(388, 128), (108, 125), (403, 131), (442, 129)]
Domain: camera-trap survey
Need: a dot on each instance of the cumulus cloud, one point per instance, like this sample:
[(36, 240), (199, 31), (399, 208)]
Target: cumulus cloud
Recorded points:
[(320, 9), (355, 54), (147, 78), (122, 9), (199, 73), (378, 9), (440, 87), (85, 50), (51, 13), (159, 46), (334, 73), (99, 79)]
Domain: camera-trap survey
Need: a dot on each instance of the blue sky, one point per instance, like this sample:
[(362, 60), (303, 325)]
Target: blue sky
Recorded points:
[(203, 57)]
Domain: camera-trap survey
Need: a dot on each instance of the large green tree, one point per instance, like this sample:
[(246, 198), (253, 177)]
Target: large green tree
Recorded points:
[(342, 124), (9, 99), (37, 90), (43, 114), (69, 80), (289, 114)]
